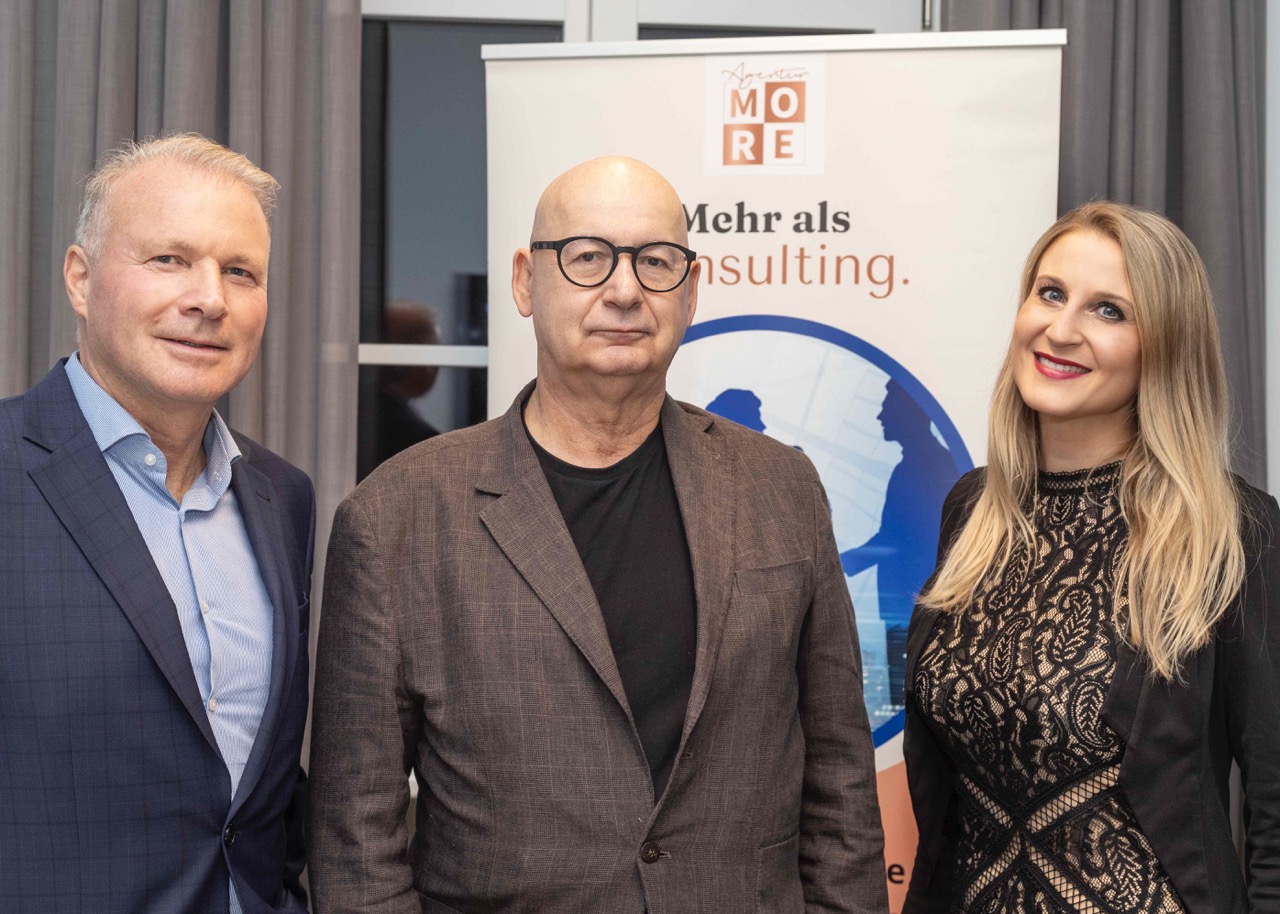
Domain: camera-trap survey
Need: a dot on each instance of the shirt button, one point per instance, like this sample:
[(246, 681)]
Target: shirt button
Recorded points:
[(149, 460), (649, 852), (204, 606), (213, 705)]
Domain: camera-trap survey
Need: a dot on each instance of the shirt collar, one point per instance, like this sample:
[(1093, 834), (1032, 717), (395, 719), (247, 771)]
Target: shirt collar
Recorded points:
[(111, 423), (220, 452)]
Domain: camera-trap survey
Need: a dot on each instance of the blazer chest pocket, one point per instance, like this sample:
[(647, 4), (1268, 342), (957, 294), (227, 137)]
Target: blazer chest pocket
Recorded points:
[(777, 579), (768, 608)]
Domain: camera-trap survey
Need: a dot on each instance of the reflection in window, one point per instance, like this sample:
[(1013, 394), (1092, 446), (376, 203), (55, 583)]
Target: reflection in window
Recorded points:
[(424, 226), (402, 405)]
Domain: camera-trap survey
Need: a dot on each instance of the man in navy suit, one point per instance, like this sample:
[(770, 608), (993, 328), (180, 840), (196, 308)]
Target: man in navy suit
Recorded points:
[(154, 568)]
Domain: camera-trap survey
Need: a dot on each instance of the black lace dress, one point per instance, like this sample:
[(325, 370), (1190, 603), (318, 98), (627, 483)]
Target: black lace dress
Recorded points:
[(1013, 690)]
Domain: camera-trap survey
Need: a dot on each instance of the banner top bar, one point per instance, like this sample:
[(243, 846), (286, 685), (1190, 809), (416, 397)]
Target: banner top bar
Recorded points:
[(1012, 38)]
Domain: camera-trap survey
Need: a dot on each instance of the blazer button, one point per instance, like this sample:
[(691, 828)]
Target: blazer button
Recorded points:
[(649, 852), (229, 836)]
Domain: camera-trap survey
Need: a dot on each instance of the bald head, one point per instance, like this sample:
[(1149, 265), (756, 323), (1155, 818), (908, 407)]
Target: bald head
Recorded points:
[(606, 330), (601, 192)]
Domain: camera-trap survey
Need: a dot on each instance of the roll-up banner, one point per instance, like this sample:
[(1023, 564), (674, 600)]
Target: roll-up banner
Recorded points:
[(861, 206)]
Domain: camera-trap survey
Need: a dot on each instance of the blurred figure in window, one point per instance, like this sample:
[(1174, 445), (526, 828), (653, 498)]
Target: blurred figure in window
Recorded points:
[(397, 424)]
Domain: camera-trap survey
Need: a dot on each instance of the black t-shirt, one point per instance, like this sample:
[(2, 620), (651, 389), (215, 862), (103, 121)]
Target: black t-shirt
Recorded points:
[(626, 523)]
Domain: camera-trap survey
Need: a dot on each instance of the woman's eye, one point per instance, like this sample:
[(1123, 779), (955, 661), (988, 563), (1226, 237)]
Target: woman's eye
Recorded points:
[(1110, 312), (1053, 294)]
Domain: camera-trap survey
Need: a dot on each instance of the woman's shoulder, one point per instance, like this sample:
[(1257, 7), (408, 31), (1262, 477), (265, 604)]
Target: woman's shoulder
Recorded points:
[(1258, 609), (1252, 498), (959, 501), (969, 485), (1259, 516)]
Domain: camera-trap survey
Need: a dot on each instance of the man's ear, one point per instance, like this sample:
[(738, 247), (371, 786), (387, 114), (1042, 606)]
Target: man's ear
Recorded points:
[(522, 281), (695, 273), (75, 276)]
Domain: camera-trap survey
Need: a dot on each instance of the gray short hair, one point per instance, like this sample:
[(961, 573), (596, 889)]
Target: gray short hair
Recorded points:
[(190, 149)]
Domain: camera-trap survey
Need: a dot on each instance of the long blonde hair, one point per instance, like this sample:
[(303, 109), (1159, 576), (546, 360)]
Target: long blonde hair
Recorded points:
[(1184, 560)]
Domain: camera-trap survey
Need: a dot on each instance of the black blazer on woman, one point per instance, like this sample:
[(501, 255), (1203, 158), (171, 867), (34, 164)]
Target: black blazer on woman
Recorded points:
[(1179, 741)]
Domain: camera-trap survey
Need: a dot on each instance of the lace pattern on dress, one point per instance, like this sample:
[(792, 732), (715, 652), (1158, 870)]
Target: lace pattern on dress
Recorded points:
[(1013, 690)]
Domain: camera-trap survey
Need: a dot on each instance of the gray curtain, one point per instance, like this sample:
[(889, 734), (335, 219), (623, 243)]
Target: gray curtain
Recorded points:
[(278, 80), (1162, 107)]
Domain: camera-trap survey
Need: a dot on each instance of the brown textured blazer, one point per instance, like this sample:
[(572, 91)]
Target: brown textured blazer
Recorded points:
[(461, 639)]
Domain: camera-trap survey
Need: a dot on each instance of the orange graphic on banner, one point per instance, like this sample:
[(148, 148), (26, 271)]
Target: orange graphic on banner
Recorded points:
[(765, 123), (899, 831), (743, 103), (784, 102), (743, 144)]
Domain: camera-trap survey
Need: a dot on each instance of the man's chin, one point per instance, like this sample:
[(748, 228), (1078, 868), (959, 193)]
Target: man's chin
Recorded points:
[(623, 366), (197, 388)]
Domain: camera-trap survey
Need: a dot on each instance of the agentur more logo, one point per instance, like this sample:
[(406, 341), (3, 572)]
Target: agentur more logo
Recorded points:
[(764, 122), (765, 114)]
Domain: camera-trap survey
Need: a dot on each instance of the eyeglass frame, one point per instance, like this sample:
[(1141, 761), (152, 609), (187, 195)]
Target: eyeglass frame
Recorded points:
[(558, 246)]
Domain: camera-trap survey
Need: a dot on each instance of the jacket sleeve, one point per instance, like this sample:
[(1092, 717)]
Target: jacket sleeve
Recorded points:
[(1249, 662), (361, 730), (929, 774), (295, 846), (841, 842)]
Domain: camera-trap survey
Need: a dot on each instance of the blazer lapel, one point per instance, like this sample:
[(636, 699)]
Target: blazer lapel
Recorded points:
[(1154, 719), (528, 527), (1128, 690), (255, 496), (77, 483), (704, 481)]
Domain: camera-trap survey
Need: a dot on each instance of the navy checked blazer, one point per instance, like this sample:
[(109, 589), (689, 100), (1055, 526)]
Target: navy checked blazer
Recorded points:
[(113, 794)]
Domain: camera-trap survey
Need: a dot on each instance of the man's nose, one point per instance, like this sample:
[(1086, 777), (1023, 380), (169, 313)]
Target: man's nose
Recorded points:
[(623, 290), (207, 291)]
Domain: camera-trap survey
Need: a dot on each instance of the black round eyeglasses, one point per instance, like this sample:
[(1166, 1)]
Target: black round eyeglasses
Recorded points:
[(587, 261)]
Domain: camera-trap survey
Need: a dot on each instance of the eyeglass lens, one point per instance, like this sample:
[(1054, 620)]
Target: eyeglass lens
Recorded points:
[(659, 267)]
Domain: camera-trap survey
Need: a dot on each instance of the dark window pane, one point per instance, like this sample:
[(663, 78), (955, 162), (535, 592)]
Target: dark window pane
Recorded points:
[(425, 192), (401, 405)]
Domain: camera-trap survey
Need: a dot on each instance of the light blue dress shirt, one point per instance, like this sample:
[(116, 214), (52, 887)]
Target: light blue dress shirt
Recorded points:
[(203, 553)]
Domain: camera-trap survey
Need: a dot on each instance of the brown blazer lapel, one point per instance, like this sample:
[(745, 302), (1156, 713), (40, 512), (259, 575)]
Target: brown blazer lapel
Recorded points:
[(528, 527), (704, 481)]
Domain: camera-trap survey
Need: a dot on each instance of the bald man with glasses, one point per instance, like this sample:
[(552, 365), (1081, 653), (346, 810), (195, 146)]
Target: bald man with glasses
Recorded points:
[(608, 632)]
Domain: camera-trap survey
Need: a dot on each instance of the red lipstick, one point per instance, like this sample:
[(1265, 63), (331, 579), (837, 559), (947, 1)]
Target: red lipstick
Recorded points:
[(1057, 368)]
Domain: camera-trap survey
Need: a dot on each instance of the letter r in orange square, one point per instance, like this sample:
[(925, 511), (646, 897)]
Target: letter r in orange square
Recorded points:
[(743, 144)]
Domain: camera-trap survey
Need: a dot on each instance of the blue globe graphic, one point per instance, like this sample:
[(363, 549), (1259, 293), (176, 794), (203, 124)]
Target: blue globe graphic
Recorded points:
[(885, 449)]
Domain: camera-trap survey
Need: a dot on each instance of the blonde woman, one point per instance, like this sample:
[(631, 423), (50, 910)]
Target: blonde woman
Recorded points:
[(1101, 637)]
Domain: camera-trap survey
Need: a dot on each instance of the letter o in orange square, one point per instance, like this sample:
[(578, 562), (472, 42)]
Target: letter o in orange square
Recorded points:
[(784, 102)]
